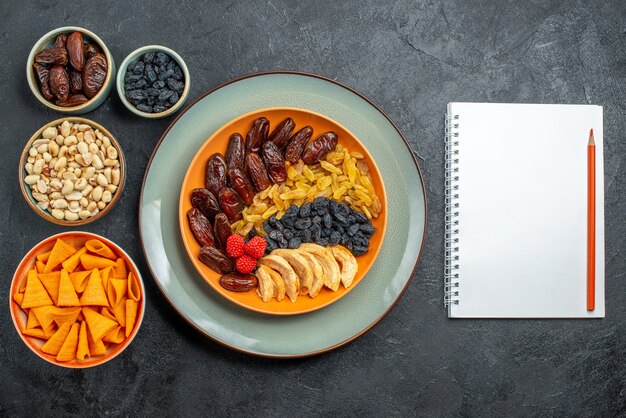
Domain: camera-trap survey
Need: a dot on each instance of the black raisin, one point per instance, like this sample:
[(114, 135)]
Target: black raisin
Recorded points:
[(368, 230), (151, 75), (288, 221), (174, 98), (158, 108), (131, 78), (306, 235), (288, 233), (321, 203), (267, 227), (272, 220), (275, 234), (279, 225), (360, 218), (305, 210), (136, 95), (302, 223), (138, 68), (317, 221), (343, 221), (328, 220), (165, 94), (161, 58), (148, 57), (153, 92), (144, 108), (158, 84), (283, 243), (178, 73), (353, 229), (171, 65), (131, 65), (357, 250), (295, 242), (172, 84), (323, 242), (316, 234), (335, 237), (271, 244), (292, 211), (140, 84), (165, 74)]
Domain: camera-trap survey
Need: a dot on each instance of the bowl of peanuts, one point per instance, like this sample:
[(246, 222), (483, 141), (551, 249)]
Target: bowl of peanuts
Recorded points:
[(72, 171)]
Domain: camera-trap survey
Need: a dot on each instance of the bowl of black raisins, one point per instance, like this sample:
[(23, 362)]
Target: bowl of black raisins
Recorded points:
[(153, 81)]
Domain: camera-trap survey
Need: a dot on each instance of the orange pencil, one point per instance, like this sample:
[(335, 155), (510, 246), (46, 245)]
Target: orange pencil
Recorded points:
[(591, 223)]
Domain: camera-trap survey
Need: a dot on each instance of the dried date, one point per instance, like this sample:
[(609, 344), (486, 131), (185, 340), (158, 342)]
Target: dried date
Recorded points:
[(59, 82), (235, 152), (75, 51), (221, 230), (237, 282), (43, 74), (73, 100), (205, 202), (257, 135), (297, 143), (257, 172), (53, 56), (274, 162), (281, 134), (231, 204), (216, 259), (201, 227), (89, 50), (60, 41), (319, 148), (94, 74), (239, 181), (76, 82), (215, 174)]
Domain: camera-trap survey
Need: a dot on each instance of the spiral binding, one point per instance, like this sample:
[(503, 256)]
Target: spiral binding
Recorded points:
[(451, 264)]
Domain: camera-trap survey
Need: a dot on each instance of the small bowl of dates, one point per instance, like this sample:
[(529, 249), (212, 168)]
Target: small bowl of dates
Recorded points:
[(70, 70), (153, 82)]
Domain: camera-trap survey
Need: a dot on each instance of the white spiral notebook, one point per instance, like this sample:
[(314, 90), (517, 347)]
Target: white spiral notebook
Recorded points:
[(516, 210)]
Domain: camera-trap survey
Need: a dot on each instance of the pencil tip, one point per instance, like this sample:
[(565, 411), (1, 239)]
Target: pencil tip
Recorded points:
[(591, 140)]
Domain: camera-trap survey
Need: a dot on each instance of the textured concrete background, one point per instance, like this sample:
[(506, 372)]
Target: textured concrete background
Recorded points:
[(410, 57)]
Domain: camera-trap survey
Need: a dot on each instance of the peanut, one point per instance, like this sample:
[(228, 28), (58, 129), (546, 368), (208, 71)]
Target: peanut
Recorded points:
[(73, 171)]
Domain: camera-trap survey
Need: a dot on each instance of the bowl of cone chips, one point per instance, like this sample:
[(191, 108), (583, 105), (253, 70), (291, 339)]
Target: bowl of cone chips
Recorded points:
[(77, 299)]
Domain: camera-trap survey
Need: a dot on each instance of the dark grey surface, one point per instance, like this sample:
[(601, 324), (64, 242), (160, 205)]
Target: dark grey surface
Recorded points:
[(411, 58)]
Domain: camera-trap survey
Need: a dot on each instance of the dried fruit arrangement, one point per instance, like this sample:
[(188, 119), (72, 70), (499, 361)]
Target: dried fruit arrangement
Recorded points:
[(304, 205), (80, 301), (154, 82), (72, 71)]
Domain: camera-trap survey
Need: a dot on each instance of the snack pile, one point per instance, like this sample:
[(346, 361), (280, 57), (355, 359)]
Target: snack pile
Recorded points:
[(80, 301), (282, 214)]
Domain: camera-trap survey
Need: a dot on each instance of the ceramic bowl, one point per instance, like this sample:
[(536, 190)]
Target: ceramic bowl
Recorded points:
[(19, 317), (195, 179), (134, 56), (27, 192), (47, 41)]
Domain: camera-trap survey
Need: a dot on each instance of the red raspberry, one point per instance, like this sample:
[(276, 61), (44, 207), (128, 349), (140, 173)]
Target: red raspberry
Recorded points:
[(234, 245), (255, 248), (245, 264)]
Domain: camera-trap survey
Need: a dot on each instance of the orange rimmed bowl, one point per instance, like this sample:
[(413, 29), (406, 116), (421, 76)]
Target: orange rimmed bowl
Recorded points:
[(76, 239), (194, 178)]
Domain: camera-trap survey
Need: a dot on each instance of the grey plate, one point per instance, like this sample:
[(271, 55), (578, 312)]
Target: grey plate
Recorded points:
[(255, 333)]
